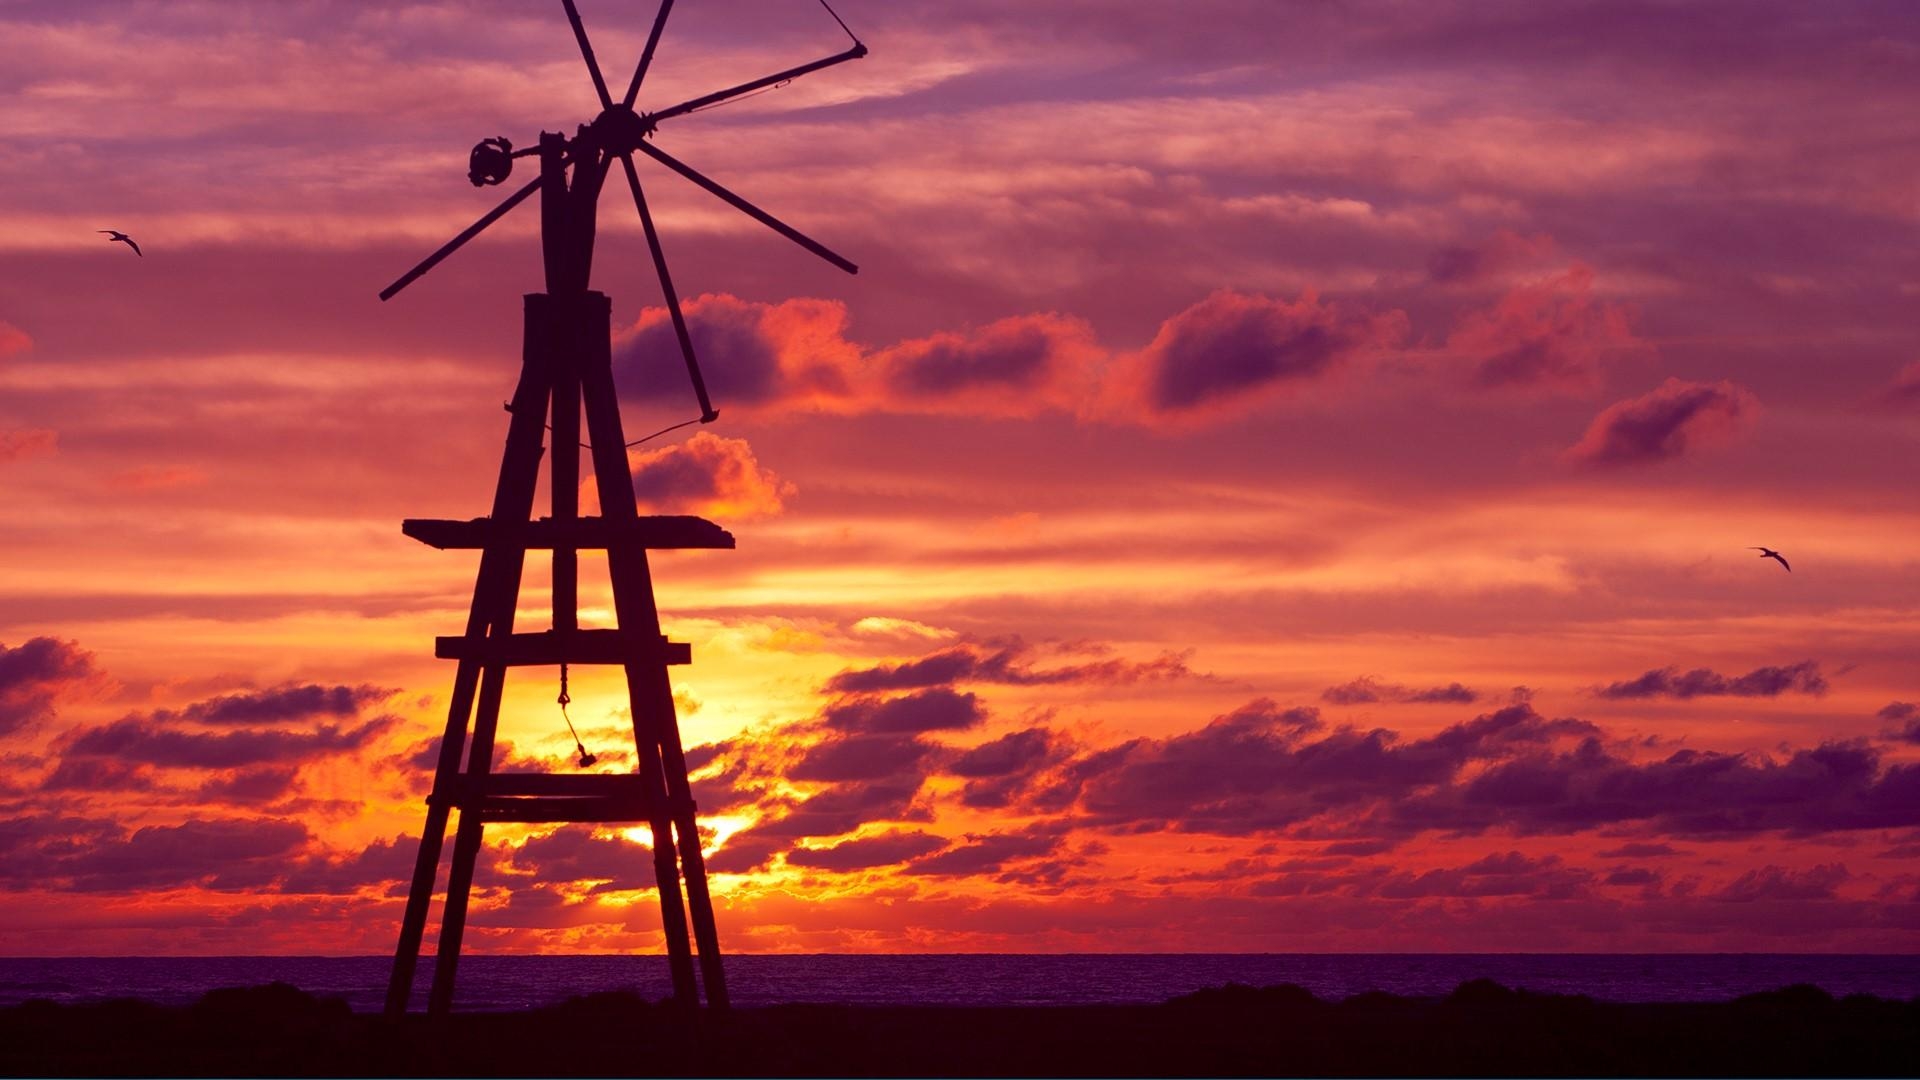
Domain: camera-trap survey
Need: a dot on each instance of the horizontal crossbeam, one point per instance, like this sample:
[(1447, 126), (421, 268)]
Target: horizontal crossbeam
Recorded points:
[(565, 647), (553, 810), (587, 533)]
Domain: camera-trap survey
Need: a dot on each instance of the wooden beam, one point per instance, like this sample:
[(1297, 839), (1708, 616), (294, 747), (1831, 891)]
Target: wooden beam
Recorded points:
[(589, 533), (568, 785), (566, 647), (557, 810)]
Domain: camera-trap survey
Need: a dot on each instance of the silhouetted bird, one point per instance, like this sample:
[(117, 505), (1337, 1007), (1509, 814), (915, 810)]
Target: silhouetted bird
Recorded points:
[(1769, 553), (113, 235)]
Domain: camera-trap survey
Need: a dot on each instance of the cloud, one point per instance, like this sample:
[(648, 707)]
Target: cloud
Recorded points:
[(98, 774), (1835, 786), (1010, 753), (1369, 689), (34, 674), (863, 757), (27, 443), (224, 854), (281, 704), (1507, 874), (1262, 771), (1905, 712), (581, 854), (1006, 770), (1002, 663), (707, 475), (1218, 357), (1255, 770), (1669, 422), (867, 852), (794, 354), (988, 854), (250, 786), (1904, 391), (1462, 264), (1550, 333), (1779, 883), (385, 863), (1803, 677), (13, 340), (936, 709), (846, 806), (137, 738), (1233, 350), (1018, 366), (1638, 850)]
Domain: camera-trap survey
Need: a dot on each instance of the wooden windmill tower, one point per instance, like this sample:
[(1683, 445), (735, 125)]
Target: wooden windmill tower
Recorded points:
[(566, 371)]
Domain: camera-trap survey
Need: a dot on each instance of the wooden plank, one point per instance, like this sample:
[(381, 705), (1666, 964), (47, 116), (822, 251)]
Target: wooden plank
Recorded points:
[(589, 533), (565, 647), (569, 785), (557, 810)]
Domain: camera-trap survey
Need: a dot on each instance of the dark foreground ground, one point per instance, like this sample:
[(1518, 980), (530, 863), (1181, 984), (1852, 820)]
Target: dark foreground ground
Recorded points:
[(1482, 1029)]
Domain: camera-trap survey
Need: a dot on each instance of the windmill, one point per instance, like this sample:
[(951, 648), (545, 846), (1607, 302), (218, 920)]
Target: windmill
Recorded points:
[(566, 370)]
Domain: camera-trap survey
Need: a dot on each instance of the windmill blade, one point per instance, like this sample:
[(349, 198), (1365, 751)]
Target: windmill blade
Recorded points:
[(646, 54), (748, 208), (707, 412), (586, 50), (453, 245), (719, 96)]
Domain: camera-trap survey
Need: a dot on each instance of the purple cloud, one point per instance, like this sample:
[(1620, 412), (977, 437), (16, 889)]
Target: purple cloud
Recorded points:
[(1232, 346), (222, 854), (936, 709), (885, 849), (1368, 689), (1007, 664), (140, 739), (1903, 392), (1803, 677), (32, 675), (281, 704), (1778, 883), (1665, 423)]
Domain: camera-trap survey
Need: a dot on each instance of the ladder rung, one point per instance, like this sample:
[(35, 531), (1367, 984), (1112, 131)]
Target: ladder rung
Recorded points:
[(589, 533), (562, 809), (565, 647)]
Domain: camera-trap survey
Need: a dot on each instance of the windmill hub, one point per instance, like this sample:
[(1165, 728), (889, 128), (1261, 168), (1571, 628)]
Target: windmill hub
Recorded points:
[(619, 129)]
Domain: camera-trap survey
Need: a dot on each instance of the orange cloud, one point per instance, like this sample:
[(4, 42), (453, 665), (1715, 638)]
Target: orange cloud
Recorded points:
[(1224, 355), (26, 443), (707, 475), (13, 339), (1549, 334)]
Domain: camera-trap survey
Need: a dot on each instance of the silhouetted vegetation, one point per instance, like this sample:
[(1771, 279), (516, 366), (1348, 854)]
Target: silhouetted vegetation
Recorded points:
[(1482, 1028)]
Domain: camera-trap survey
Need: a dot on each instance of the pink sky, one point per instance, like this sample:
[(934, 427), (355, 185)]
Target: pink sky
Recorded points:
[(1282, 480)]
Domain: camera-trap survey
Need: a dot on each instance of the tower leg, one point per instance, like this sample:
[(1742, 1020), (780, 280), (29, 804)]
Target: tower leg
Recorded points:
[(466, 841), (649, 693), (466, 849), (495, 594), (413, 925)]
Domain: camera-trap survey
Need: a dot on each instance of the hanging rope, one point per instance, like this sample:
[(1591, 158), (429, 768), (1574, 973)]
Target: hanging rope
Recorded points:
[(586, 759)]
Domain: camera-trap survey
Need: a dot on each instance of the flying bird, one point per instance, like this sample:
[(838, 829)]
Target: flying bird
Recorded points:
[(114, 234), (1769, 553)]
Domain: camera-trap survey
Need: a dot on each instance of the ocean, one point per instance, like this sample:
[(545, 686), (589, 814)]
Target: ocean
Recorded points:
[(519, 982)]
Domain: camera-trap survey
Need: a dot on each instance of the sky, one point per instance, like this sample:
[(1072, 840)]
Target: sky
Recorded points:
[(1284, 479)]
